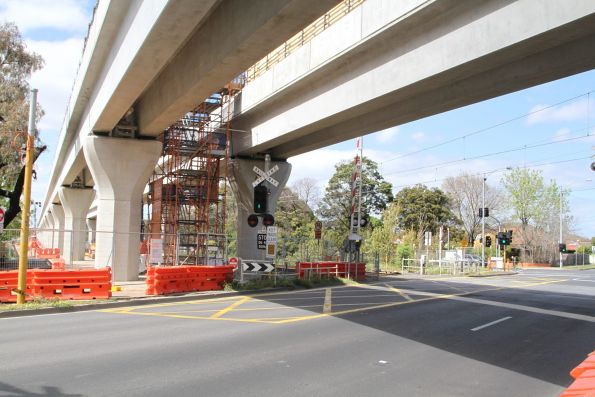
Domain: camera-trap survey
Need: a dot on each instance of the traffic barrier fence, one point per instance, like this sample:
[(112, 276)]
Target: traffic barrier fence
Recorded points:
[(71, 284), (355, 271), (163, 280), (584, 383)]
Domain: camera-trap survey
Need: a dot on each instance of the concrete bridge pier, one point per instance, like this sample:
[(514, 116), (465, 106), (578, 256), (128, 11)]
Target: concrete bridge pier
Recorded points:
[(58, 215), (76, 203), (242, 175), (92, 226), (121, 168)]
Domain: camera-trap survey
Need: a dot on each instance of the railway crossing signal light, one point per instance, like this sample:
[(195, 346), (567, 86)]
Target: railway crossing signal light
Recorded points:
[(252, 220), (268, 220), (260, 199)]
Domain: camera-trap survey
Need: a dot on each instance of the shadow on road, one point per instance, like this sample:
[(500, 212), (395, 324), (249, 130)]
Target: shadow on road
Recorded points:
[(7, 390)]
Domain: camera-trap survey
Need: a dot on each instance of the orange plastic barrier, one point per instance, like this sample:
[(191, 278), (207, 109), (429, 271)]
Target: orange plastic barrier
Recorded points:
[(58, 264), (9, 282), (584, 375), (47, 253), (163, 280), (355, 271), (72, 284)]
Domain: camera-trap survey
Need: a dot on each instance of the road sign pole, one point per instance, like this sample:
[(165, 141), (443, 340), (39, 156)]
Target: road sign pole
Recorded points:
[(22, 279)]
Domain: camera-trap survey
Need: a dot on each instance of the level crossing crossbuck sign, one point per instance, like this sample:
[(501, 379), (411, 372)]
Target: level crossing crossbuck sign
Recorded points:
[(265, 176)]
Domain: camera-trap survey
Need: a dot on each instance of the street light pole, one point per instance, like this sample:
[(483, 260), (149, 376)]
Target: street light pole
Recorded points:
[(560, 226), (483, 222)]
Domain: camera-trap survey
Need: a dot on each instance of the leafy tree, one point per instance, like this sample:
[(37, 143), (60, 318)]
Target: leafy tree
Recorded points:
[(295, 220), (335, 206), (17, 65), (423, 209), (466, 196), (537, 207)]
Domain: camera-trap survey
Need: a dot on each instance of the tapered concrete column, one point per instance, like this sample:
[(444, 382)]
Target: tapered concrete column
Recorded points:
[(49, 233), (76, 203), (241, 178), (120, 168), (92, 226), (58, 215)]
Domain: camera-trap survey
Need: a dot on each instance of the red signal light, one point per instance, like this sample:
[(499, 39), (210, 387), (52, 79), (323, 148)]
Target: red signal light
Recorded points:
[(252, 220)]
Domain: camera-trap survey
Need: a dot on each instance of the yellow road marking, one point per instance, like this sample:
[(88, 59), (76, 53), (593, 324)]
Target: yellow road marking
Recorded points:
[(398, 291), (231, 307), (286, 320), (326, 308)]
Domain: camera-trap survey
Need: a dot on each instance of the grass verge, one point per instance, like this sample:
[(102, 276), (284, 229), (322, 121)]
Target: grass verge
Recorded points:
[(43, 303)]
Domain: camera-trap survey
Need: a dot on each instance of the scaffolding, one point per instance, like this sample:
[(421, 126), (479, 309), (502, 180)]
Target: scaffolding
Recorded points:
[(187, 192)]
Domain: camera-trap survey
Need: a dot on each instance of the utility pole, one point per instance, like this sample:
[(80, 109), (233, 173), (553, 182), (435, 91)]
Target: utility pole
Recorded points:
[(24, 245), (560, 226), (483, 222)]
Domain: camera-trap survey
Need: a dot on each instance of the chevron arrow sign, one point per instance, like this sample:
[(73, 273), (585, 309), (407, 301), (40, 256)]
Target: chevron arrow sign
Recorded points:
[(258, 267)]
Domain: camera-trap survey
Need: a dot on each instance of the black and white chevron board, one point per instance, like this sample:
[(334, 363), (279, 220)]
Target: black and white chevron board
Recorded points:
[(251, 266)]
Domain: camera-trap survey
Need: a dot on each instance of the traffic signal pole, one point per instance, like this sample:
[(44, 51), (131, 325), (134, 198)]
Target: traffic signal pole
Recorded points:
[(24, 245), (483, 222), (560, 226)]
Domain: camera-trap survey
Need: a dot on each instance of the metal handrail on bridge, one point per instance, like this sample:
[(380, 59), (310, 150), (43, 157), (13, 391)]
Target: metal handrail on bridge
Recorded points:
[(301, 38)]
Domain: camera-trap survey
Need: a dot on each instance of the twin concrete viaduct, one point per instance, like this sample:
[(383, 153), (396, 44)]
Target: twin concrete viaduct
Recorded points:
[(384, 64)]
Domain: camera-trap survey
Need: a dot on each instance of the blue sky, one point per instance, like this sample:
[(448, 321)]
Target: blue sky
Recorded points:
[(56, 29)]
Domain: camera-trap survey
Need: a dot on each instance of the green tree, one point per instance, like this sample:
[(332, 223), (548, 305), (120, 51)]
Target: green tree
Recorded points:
[(335, 207), (17, 65), (295, 220), (423, 209), (537, 207)]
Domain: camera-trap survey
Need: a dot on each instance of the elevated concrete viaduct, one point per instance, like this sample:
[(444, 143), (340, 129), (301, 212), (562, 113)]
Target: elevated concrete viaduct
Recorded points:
[(389, 62), (386, 63), (145, 64)]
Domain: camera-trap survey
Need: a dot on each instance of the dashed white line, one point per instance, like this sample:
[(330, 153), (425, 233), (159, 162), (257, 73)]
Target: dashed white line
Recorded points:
[(490, 324)]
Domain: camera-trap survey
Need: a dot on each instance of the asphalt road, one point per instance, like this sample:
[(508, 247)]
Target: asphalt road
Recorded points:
[(498, 336)]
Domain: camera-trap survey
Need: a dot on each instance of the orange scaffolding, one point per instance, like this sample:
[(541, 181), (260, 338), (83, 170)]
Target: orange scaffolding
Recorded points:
[(187, 192)]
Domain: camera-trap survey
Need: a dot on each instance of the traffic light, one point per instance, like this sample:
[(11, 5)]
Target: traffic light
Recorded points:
[(484, 212), (252, 220), (488, 241), (268, 220), (260, 199), (509, 236), (562, 248), (503, 238)]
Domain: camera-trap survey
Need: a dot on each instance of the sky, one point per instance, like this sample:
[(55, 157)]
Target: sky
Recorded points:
[(550, 127)]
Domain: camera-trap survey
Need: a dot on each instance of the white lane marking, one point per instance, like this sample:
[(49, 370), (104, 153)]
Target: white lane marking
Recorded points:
[(490, 324), (582, 279), (327, 301)]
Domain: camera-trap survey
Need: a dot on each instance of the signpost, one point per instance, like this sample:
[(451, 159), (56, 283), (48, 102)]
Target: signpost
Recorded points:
[(2, 210), (318, 230), (261, 241), (271, 242), (265, 176)]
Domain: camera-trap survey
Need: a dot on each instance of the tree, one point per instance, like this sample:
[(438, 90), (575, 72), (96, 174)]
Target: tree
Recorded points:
[(295, 220), (538, 208), (335, 206), (465, 193), (307, 190), (17, 65), (423, 209)]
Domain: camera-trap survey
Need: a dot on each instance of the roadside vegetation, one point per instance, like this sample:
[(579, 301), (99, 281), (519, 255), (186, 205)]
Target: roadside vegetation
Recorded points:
[(287, 283)]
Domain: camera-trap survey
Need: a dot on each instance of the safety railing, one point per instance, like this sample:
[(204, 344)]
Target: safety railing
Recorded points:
[(301, 38)]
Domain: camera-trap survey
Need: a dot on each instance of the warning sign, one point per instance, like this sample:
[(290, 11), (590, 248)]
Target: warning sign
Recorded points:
[(261, 241)]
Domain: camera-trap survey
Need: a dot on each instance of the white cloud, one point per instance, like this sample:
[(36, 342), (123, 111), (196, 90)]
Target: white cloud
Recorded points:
[(562, 134), (64, 15), (419, 137), (55, 80), (387, 135), (577, 110)]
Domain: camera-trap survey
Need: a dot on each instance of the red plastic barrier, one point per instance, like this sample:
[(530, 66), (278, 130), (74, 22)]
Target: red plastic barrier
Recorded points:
[(73, 284), (9, 282), (584, 384), (47, 253), (163, 280), (355, 271)]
